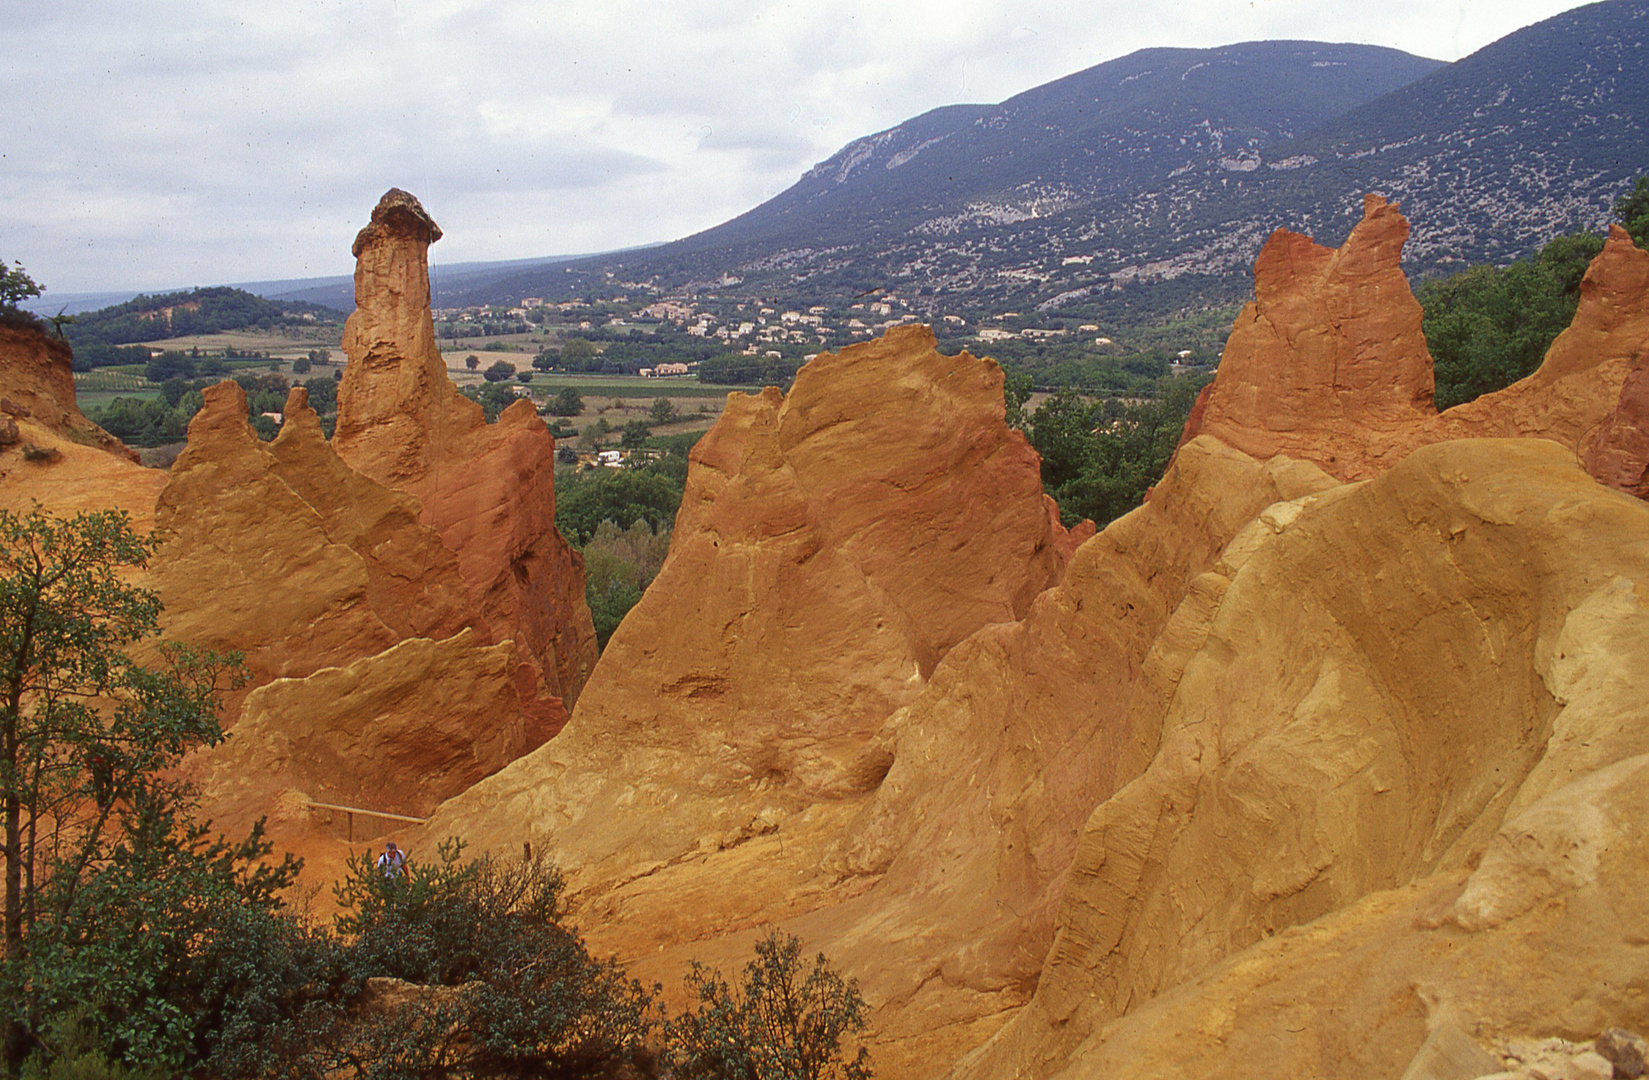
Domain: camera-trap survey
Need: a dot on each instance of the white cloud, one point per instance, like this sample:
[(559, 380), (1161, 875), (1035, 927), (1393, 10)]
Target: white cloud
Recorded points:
[(183, 141)]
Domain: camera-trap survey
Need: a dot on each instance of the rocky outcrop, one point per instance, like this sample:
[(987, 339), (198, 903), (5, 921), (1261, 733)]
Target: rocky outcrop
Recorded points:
[(49, 452), (339, 597), (487, 489), (1330, 354), (832, 547), (1397, 779), (1329, 364), (395, 732), (37, 383)]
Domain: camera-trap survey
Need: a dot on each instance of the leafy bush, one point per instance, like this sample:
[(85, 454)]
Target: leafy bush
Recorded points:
[(526, 997), (783, 1022), (567, 402), (499, 371), (1100, 457), (583, 500), (619, 564)]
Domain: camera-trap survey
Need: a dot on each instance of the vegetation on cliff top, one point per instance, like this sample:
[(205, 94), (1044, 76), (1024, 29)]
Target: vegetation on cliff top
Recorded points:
[(1487, 326)]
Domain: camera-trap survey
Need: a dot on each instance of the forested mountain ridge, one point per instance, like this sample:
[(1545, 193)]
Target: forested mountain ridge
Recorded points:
[(196, 311)]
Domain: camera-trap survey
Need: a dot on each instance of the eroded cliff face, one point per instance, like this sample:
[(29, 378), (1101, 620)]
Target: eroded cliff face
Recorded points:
[(1349, 699), (832, 547), (1396, 782), (49, 452), (357, 628), (487, 489), (396, 637), (1329, 363)]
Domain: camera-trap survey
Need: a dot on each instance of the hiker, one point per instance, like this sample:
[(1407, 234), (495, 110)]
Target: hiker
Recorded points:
[(392, 860)]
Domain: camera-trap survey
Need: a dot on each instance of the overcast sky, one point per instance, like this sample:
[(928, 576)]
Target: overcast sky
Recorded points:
[(163, 143)]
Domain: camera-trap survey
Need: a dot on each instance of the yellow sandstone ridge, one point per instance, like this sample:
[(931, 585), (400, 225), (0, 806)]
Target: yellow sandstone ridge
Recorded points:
[(1399, 781)]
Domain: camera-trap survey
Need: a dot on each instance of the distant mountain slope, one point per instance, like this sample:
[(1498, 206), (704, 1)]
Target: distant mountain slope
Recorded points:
[(1492, 155), (1172, 165), (1099, 134), (1100, 131)]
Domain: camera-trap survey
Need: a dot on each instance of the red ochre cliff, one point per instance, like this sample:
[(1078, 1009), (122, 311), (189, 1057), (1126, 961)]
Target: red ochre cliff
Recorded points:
[(393, 662), (488, 490), (1315, 756)]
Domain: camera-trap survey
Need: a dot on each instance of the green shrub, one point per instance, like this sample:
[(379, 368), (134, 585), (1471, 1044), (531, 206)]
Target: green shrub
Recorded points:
[(523, 997), (784, 1021)]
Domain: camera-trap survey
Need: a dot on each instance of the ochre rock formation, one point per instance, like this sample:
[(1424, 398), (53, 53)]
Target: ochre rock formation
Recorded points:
[(49, 452), (1399, 779), (282, 552), (1329, 364), (37, 382), (833, 545), (1328, 356), (487, 489), (395, 732), (1619, 456), (1283, 776)]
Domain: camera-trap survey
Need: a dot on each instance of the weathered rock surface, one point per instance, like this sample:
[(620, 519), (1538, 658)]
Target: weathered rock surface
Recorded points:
[(832, 546), (1329, 363), (1398, 774), (1329, 355), (789, 709), (282, 552), (487, 489), (397, 732), (49, 452), (37, 382), (1283, 777)]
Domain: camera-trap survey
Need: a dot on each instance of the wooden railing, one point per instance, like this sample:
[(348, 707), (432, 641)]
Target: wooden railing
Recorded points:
[(353, 810)]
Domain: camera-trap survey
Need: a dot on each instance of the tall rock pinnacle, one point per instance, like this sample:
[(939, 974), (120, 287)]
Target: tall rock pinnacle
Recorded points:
[(487, 489)]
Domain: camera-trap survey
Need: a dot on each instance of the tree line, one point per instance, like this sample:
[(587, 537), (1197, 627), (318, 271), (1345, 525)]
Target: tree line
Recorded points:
[(197, 311)]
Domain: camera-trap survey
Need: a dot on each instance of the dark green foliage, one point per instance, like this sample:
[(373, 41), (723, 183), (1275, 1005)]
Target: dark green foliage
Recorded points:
[(662, 411), (583, 500), (1100, 457), (323, 395), (171, 365), (619, 564), (200, 311), (524, 376), (91, 817), (472, 361), (16, 286), (494, 396), (739, 370), (1632, 211), (499, 371), (1488, 327), (576, 352), (519, 994), (784, 1021), (301, 365), (140, 422), (567, 402), (636, 433)]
